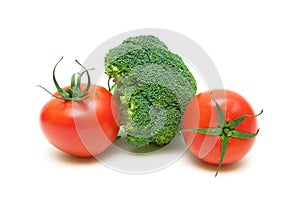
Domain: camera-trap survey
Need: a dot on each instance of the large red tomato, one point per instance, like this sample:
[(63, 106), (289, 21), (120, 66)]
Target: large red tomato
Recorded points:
[(83, 119), (231, 134)]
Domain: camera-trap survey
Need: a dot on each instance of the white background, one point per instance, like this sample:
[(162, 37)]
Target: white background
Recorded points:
[(255, 46)]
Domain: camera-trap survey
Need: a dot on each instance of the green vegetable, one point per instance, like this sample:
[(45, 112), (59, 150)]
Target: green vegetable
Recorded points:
[(153, 86), (146, 41)]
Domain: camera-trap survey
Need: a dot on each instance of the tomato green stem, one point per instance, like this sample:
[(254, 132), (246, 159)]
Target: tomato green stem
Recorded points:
[(221, 117), (58, 97), (108, 84), (232, 124), (54, 79), (73, 93), (207, 131), (89, 79), (224, 145)]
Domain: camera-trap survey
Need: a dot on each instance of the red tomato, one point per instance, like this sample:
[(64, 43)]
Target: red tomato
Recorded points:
[(81, 128), (202, 113)]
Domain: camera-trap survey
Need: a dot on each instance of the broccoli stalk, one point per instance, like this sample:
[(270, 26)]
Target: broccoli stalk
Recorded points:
[(153, 87)]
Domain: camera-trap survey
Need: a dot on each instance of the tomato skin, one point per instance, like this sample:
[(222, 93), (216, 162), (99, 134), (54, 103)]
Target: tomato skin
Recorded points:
[(201, 113), (81, 128)]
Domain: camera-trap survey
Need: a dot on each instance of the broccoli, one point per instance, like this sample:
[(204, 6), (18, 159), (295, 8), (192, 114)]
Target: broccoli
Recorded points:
[(153, 87), (146, 41)]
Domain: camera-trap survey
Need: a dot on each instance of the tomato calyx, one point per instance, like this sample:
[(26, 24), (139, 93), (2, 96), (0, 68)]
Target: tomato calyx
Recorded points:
[(73, 93), (225, 130)]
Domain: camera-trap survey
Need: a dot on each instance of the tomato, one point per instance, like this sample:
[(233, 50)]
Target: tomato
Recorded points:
[(82, 128), (85, 124), (202, 113)]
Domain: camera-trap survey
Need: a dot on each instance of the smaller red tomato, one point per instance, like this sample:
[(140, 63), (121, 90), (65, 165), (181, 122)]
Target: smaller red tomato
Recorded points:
[(82, 120), (219, 127)]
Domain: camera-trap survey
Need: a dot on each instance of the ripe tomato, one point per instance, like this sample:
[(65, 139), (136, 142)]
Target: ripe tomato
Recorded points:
[(81, 128), (202, 112), (82, 119)]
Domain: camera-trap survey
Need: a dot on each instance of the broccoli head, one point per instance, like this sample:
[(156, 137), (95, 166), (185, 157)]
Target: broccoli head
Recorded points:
[(154, 102), (146, 41), (153, 86), (132, 51)]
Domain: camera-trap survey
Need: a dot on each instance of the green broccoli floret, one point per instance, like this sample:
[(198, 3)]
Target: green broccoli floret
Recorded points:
[(153, 85), (155, 103), (147, 115), (146, 41), (119, 59)]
